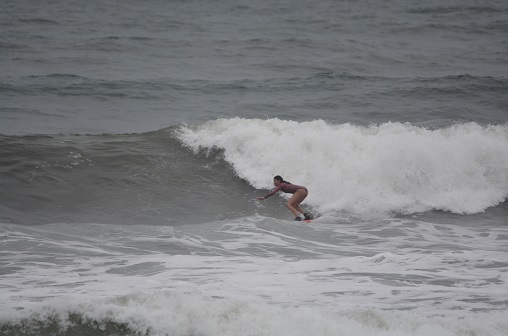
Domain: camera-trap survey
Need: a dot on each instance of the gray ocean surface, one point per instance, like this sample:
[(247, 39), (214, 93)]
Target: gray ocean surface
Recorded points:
[(135, 136)]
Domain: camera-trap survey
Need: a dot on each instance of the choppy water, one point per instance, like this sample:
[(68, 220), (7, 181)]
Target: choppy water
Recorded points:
[(134, 138)]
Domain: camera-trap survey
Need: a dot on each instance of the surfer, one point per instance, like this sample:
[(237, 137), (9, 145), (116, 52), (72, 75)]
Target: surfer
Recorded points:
[(293, 204)]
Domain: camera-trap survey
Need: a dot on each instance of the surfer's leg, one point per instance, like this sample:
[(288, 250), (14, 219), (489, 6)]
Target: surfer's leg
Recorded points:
[(293, 210), (293, 203), (300, 210)]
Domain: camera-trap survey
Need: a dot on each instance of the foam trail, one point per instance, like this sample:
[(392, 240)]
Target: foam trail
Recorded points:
[(366, 171)]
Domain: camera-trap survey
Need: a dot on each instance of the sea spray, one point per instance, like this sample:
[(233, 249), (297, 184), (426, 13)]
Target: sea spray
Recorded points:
[(366, 171)]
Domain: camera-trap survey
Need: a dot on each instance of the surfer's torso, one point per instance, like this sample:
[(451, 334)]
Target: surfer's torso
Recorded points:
[(288, 188)]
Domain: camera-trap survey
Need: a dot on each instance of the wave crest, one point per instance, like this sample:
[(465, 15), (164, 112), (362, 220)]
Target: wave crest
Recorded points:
[(368, 171)]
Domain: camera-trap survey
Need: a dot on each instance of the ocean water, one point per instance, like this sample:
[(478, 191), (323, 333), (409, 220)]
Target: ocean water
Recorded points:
[(135, 137)]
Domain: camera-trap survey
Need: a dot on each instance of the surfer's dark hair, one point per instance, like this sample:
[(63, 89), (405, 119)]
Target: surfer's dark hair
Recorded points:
[(280, 179)]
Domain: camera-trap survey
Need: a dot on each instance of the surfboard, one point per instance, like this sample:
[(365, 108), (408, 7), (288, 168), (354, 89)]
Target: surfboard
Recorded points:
[(314, 215)]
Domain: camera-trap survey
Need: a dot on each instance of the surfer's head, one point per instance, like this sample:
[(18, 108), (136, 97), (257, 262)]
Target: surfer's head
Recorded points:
[(277, 180)]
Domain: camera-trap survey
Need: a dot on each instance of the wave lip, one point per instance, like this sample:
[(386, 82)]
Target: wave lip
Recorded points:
[(366, 171)]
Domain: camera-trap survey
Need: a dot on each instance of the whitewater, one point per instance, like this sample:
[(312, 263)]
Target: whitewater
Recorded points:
[(371, 172), (255, 275)]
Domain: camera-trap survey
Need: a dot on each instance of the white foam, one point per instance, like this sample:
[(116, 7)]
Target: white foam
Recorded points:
[(394, 278), (252, 263), (367, 171), (168, 313)]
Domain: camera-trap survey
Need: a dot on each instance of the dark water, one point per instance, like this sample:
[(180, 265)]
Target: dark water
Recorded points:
[(73, 67), (135, 136)]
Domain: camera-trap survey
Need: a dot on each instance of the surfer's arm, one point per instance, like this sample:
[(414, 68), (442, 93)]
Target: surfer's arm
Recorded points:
[(271, 193)]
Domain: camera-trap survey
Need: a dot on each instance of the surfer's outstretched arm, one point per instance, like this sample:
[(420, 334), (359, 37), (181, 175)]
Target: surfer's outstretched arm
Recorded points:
[(271, 193)]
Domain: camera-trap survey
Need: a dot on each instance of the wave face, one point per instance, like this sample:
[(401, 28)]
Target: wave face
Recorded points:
[(214, 171), (126, 179), (366, 171)]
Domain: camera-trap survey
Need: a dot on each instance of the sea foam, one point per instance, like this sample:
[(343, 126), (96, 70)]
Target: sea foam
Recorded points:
[(366, 171), (164, 313)]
